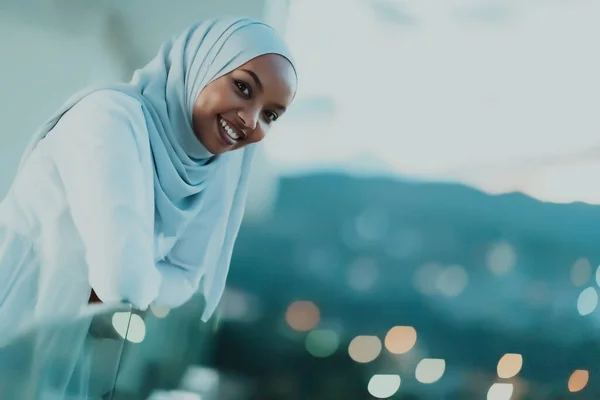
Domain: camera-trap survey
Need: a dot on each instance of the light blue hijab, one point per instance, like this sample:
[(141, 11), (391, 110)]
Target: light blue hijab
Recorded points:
[(190, 182)]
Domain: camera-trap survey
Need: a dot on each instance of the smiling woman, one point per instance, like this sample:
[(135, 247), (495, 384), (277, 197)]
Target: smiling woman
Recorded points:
[(135, 192), (239, 108)]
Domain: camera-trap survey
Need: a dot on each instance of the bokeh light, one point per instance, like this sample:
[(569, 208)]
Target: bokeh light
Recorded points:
[(578, 380), (363, 274), (500, 391), (400, 339), (537, 294), (120, 321), (364, 349), (501, 258), (581, 271), (372, 224), (302, 315), (403, 244), (509, 365), (129, 326), (587, 301), (174, 394), (160, 312), (322, 342), (384, 386), (452, 281), (200, 379), (137, 329), (426, 276), (240, 305), (430, 370)]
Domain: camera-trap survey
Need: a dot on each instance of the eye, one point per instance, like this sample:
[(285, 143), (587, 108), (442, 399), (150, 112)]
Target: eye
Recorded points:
[(271, 116), (244, 88)]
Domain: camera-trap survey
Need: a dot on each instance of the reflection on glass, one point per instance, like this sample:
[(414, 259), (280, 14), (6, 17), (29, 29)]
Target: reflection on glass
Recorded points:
[(129, 326), (72, 357)]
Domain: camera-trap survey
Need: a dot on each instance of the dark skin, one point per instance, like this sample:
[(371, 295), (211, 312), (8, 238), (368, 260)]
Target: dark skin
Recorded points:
[(249, 100)]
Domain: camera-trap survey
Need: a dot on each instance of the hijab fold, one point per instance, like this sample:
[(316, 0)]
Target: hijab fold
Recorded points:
[(186, 174)]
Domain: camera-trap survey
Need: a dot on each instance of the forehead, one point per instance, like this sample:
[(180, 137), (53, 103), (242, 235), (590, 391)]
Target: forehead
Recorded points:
[(276, 74)]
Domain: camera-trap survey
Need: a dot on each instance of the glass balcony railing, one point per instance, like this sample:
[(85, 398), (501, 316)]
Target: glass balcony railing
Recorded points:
[(110, 352), (75, 357)]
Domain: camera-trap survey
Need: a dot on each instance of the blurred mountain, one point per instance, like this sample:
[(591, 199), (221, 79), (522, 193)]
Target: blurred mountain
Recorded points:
[(500, 271), (342, 218)]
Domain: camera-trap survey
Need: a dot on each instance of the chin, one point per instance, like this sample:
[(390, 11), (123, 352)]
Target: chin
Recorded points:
[(218, 149), (214, 148)]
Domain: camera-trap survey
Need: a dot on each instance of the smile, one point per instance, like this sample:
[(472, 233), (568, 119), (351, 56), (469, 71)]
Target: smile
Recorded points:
[(229, 133)]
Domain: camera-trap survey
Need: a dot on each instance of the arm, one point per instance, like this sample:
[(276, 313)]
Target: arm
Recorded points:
[(204, 250), (194, 254), (183, 267), (95, 150)]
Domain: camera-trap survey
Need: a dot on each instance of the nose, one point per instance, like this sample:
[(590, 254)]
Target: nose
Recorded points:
[(249, 117)]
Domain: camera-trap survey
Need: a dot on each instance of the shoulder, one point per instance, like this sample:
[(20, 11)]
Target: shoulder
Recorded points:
[(107, 106), (106, 117)]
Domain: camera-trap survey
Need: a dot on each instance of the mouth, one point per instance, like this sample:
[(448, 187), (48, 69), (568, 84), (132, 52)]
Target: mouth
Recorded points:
[(229, 134)]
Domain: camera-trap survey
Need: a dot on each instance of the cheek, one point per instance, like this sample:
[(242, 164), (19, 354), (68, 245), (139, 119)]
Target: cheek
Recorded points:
[(258, 135), (210, 104), (210, 101), (222, 99)]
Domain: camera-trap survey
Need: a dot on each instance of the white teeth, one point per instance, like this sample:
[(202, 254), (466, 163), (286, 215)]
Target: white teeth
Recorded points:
[(232, 134)]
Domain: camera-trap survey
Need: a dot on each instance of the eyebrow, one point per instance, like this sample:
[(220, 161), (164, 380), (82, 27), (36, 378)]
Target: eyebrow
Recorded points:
[(260, 86), (255, 78)]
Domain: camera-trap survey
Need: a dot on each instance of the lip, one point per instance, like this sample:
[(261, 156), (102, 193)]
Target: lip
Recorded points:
[(224, 136)]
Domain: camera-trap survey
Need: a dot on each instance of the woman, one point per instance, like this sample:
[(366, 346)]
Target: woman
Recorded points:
[(136, 192)]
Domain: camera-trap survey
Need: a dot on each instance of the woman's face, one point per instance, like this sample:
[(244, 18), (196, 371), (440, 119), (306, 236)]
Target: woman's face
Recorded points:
[(239, 108)]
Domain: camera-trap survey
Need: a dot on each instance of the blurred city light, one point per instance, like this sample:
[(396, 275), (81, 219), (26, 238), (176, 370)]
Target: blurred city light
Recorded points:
[(500, 391), (322, 343), (581, 271), (400, 339), (384, 386), (430, 370), (364, 349), (578, 380), (509, 365), (587, 301), (302, 315)]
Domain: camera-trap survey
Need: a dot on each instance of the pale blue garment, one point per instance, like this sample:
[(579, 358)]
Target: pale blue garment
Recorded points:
[(154, 214)]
